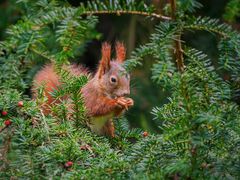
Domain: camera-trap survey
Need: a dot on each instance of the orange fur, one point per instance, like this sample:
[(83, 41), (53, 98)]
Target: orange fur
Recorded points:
[(49, 79)]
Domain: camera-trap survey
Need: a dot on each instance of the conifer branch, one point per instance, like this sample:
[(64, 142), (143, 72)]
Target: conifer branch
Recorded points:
[(120, 12)]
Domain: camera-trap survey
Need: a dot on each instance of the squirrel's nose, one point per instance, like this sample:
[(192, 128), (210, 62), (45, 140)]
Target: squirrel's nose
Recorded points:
[(127, 92)]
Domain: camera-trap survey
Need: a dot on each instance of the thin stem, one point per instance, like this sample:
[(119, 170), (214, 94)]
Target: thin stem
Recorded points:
[(46, 127), (178, 45), (179, 54), (120, 12)]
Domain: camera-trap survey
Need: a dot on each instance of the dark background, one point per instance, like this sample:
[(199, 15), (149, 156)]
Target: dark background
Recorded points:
[(133, 31)]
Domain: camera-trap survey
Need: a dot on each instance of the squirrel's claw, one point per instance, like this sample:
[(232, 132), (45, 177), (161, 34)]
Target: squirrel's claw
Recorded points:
[(130, 101)]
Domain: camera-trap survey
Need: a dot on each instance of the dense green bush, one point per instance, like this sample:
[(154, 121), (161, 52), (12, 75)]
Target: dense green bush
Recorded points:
[(199, 127)]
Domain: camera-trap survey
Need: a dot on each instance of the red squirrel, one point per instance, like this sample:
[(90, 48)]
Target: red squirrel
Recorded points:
[(104, 95)]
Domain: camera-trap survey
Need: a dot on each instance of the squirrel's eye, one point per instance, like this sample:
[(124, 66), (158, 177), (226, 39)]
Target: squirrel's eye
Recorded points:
[(113, 80)]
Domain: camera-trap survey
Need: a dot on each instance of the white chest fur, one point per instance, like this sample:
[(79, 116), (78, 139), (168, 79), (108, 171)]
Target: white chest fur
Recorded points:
[(97, 123)]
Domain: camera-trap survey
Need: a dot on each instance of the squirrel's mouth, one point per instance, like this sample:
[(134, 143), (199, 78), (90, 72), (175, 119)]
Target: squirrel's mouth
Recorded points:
[(117, 96), (114, 97)]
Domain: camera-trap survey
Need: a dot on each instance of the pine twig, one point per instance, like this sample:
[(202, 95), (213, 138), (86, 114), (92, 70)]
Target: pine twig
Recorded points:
[(120, 12)]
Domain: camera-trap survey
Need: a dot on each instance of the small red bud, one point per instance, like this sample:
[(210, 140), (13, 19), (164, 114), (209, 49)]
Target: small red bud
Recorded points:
[(4, 113), (145, 134), (68, 164), (20, 104), (7, 122)]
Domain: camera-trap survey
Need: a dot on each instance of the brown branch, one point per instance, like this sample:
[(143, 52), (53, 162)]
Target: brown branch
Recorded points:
[(178, 51), (2, 129), (173, 9), (179, 54), (120, 12), (4, 151)]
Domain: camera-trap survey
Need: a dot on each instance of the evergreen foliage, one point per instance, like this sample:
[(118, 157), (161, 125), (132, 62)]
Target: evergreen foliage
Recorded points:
[(199, 127)]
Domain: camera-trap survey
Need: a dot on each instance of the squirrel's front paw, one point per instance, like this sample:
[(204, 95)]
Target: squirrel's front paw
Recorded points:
[(130, 102), (125, 102)]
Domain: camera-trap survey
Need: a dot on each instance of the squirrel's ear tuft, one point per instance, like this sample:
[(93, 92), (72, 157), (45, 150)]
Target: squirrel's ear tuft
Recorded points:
[(104, 65), (120, 52)]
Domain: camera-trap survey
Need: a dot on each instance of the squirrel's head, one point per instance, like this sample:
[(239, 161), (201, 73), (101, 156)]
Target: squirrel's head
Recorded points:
[(113, 79)]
